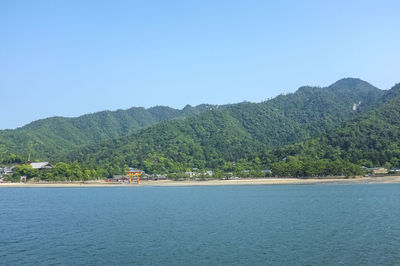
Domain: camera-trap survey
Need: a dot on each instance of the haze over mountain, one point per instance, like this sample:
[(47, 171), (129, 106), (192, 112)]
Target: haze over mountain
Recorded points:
[(215, 137)]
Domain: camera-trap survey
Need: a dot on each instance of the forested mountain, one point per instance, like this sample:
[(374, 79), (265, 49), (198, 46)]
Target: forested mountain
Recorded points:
[(47, 138), (215, 138), (371, 139)]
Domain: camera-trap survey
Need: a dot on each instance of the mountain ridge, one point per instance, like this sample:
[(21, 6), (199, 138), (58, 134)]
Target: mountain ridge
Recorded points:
[(45, 137), (215, 137), (370, 140)]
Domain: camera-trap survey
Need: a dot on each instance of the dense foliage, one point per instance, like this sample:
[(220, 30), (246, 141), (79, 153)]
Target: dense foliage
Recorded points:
[(47, 138), (312, 132), (370, 140), (219, 138), (10, 158), (303, 167)]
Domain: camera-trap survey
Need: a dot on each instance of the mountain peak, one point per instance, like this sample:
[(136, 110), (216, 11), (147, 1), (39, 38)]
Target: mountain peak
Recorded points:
[(352, 83)]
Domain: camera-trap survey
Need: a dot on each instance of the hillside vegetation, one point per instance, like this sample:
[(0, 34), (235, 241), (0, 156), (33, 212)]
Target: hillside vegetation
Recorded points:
[(372, 139), (217, 139), (51, 137), (315, 131)]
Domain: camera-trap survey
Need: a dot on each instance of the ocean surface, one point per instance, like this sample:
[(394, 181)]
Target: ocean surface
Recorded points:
[(326, 224)]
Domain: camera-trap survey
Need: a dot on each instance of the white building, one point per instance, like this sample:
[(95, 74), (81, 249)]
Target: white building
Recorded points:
[(41, 165)]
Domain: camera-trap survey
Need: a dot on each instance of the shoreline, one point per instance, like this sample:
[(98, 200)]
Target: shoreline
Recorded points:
[(234, 182)]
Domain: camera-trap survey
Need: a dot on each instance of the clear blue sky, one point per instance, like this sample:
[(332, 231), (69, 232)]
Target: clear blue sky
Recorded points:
[(69, 57)]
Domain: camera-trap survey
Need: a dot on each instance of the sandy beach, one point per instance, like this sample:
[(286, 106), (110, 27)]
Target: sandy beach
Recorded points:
[(244, 181)]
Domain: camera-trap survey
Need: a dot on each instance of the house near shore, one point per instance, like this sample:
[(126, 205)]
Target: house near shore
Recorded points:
[(395, 170), (197, 174), (380, 170), (40, 165), (156, 177), (118, 179), (8, 170), (376, 170), (209, 173), (192, 174)]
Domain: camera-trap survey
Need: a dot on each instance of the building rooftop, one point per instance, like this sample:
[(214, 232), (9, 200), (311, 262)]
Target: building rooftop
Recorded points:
[(40, 165)]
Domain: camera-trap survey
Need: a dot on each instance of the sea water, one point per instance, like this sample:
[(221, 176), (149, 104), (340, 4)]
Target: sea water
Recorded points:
[(211, 225)]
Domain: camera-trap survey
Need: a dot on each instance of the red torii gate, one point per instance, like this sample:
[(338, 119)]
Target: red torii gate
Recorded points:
[(134, 172)]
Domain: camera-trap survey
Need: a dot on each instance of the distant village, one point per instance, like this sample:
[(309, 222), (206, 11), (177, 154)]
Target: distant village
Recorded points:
[(134, 175), (131, 175)]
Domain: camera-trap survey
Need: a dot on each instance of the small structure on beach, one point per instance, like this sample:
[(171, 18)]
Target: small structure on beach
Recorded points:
[(118, 179), (157, 177)]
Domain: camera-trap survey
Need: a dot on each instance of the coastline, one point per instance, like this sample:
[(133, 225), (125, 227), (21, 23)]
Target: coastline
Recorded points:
[(234, 182)]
